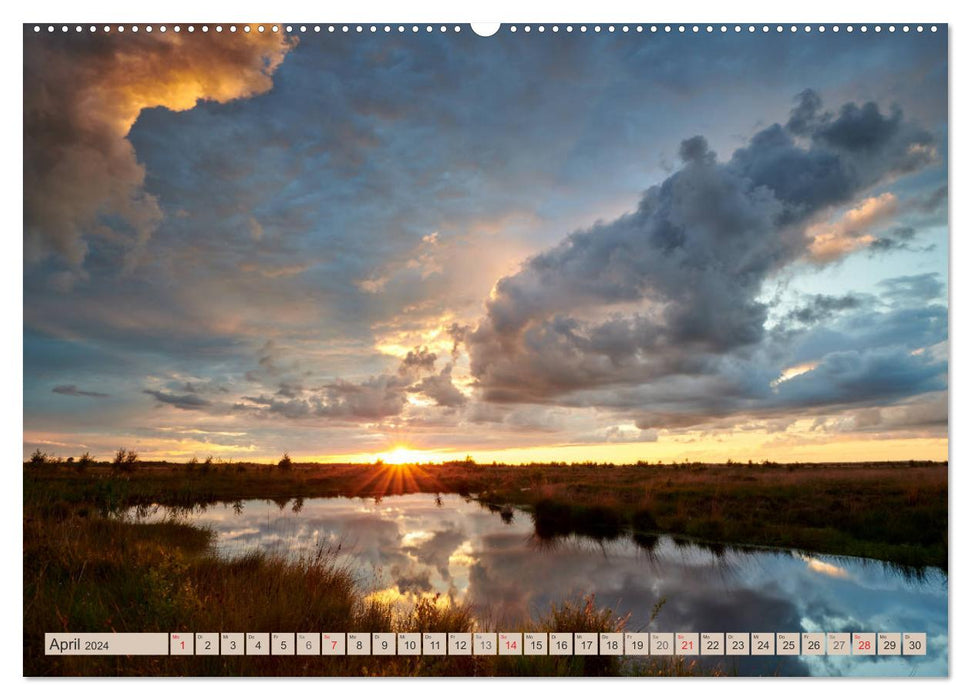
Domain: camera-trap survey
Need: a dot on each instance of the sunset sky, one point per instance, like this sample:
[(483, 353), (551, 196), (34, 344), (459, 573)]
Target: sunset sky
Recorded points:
[(604, 247)]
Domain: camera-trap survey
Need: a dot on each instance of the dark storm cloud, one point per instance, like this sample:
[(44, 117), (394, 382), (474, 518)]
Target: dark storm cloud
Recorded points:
[(72, 390), (376, 192), (82, 95), (897, 238), (187, 402), (823, 306), (914, 288), (852, 377), (908, 325), (417, 360), (441, 390), (845, 154), (679, 280)]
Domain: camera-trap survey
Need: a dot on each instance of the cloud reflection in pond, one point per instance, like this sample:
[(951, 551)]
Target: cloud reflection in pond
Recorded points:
[(404, 547)]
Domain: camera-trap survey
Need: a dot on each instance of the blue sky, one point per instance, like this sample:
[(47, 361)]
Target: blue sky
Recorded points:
[(617, 246)]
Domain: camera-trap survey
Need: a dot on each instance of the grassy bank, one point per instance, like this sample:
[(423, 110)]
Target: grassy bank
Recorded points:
[(896, 512), (86, 572)]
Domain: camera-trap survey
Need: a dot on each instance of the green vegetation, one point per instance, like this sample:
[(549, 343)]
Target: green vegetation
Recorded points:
[(896, 512), (86, 568), (86, 572)]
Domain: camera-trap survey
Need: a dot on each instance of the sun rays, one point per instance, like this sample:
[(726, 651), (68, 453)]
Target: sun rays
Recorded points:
[(394, 472)]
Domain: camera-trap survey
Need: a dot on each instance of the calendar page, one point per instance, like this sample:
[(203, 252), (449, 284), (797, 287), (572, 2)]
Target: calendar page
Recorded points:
[(443, 349)]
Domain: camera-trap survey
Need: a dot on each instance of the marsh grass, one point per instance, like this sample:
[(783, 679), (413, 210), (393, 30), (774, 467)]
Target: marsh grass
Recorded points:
[(86, 568), (896, 512), (93, 573)]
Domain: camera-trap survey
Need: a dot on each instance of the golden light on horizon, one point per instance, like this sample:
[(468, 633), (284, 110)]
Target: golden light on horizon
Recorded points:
[(402, 454)]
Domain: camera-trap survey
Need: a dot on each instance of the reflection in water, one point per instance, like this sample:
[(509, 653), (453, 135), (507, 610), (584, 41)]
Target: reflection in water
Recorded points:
[(510, 565)]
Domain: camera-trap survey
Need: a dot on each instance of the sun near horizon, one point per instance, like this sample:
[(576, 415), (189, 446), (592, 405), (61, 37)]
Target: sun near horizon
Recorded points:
[(618, 278)]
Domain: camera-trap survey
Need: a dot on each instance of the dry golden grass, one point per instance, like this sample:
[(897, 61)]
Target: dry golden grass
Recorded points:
[(891, 511)]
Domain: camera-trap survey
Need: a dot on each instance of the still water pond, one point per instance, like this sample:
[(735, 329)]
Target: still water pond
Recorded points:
[(404, 546)]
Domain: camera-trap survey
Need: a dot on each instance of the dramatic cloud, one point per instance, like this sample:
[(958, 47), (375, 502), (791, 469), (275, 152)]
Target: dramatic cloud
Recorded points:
[(417, 360), (82, 94), (317, 225), (671, 293), (822, 306), (897, 238), (913, 287), (441, 390), (373, 399)]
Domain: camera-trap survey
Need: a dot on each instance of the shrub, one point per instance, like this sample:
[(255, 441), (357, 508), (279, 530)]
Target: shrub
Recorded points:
[(285, 463), (39, 458), (83, 462), (124, 459)]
